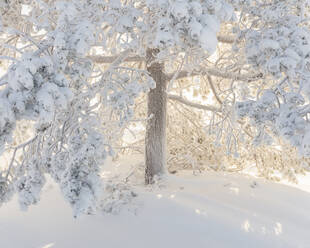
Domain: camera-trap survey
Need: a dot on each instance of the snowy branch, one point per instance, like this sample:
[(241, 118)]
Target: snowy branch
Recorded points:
[(216, 73), (192, 104), (226, 39), (110, 59), (213, 90), (14, 154)]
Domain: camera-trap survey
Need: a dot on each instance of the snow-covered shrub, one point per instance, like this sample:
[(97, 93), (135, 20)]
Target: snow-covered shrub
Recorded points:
[(116, 197)]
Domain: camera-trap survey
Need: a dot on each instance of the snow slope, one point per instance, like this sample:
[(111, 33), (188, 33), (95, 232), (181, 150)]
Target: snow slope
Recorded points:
[(207, 210)]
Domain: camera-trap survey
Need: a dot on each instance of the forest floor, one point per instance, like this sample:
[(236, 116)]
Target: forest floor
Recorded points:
[(205, 210)]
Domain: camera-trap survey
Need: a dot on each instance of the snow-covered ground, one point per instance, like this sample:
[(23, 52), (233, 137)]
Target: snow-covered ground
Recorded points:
[(199, 211)]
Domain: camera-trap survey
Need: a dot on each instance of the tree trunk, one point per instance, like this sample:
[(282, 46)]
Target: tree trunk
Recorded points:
[(155, 139)]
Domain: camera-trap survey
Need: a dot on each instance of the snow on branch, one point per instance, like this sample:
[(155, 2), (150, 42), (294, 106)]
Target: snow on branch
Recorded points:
[(192, 104), (226, 39), (110, 59), (217, 73)]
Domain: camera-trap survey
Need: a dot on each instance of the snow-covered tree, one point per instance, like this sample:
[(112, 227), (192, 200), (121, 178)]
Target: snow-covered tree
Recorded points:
[(75, 69)]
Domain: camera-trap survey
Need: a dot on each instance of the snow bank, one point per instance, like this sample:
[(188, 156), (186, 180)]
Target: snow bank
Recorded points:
[(208, 210)]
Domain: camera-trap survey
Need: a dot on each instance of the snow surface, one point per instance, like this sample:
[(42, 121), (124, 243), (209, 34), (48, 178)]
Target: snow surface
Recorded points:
[(204, 210)]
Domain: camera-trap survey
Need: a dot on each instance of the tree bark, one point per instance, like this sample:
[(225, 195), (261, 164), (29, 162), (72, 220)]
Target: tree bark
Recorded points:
[(155, 138)]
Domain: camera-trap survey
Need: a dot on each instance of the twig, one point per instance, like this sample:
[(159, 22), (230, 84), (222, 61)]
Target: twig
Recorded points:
[(213, 90)]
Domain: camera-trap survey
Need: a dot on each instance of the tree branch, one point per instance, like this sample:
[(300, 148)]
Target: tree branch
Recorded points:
[(216, 73), (226, 39), (110, 59), (213, 90), (192, 104), (203, 107), (14, 154)]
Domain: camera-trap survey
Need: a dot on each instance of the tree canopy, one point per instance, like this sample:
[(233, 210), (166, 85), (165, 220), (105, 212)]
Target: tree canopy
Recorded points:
[(73, 72)]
